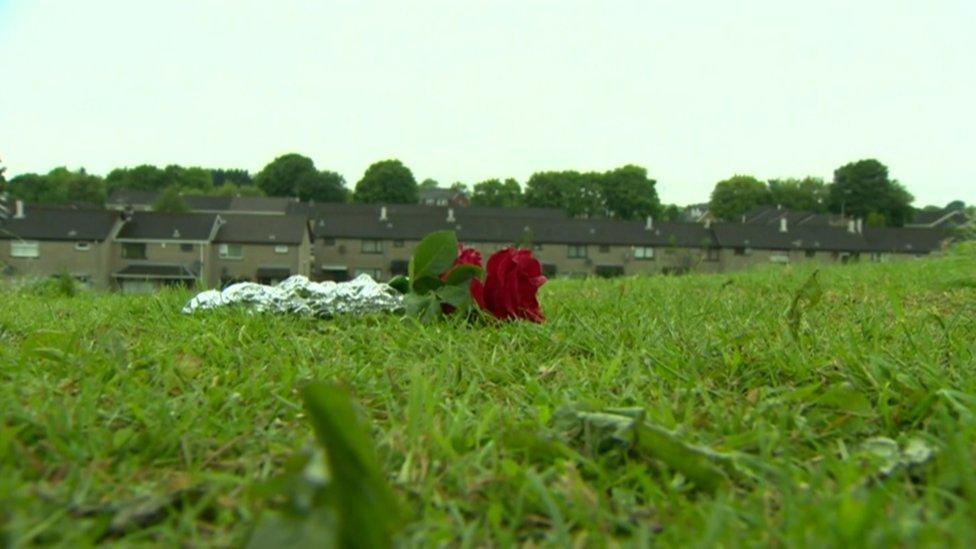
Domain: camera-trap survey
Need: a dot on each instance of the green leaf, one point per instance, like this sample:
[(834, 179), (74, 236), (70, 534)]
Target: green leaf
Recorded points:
[(426, 284), (368, 511), (400, 283), (462, 274), (434, 255), (456, 296)]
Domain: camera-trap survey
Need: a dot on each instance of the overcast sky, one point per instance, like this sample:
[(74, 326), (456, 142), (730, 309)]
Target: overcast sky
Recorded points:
[(467, 90)]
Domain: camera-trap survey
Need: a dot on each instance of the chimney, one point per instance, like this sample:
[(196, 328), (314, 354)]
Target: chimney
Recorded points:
[(782, 225), (382, 213), (450, 215), (860, 226), (19, 209), (851, 226), (649, 224)]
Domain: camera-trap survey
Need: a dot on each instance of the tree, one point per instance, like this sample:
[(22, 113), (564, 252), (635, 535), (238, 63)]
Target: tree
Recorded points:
[(735, 196), (460, 187), (238, 177), (170, 201), (59, 186), (321, 187), (429, 184), (579, 194), (629, 194), (280, 177), (194, 178), (954, 206), (493, 192), (296, 175), (387, 181), (144, 177), (671, 212), (863, 187), (230, 189), (809, 194)]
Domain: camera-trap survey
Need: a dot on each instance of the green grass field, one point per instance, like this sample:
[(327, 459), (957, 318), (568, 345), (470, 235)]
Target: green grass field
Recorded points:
[(108, 402)]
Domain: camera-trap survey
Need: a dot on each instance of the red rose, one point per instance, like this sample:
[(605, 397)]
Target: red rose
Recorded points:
[(467, 256), (514, 277)]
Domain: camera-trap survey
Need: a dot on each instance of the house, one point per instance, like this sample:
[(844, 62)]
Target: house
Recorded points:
[(438, 196), (43, 242), (939, 219), (154, 249), (264, 249)]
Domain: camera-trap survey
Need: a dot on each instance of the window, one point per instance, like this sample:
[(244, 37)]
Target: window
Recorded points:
[(375, 274), (25, 249), (133, 251), (442, 202), (643, 252), (604, 248), (281, 249), (328, 242), (230, 251), (811, 253), (576, 251), (549, 270), (186, 247), (397, 243), (743, 251), (372, 246), (82, 246), (711, 254), (609, 271)]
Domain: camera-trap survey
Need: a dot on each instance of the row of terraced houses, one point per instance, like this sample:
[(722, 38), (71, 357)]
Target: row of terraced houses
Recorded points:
[(129, 247)]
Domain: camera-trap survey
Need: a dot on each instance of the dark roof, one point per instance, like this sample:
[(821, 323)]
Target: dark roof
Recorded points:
[(132, 197), (321, 210), (435, 193), (262, 229), (145, 270), (762, 236), (769, 215), (168, 226), (944, 216), (273, 272), (904, 239), (263, 204), (507, 226), (199, 203), (41, 223)]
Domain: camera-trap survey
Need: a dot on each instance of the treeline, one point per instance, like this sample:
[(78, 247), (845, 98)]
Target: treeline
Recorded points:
[(858, 189), (861, 189)]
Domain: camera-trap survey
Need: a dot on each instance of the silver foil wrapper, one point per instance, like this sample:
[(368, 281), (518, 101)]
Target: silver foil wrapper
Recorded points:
[(298, 295)]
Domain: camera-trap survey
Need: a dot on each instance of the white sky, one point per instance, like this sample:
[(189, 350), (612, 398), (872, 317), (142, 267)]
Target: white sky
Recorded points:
[(466, 90)]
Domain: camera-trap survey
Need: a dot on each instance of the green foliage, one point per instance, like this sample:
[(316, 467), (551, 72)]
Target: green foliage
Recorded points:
[(368, 511), (387, 182), (59, 186), (735, 196), (171, 201), (671, 212), (629, 194), (296, 175), (144, 177), (429, 184), (230, 189), (494, 192), (433, 255), (579, 194), (236, 177), (863, 187), (809, 194), (428, 294), (876, 219)]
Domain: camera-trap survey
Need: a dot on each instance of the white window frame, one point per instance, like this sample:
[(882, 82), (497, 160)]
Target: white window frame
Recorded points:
[(644, 252), (28, 249), (576, 251), (371, 246), (224, 251), (779, 257), (82, 246), (281, 249)]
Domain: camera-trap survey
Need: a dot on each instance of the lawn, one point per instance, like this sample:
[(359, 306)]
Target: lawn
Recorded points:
[(111, 404)]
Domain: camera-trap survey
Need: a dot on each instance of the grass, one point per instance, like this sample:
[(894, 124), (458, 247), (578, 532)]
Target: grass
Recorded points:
[(107, 399)]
